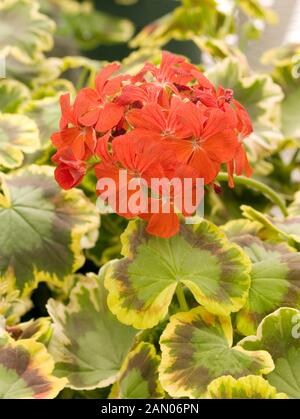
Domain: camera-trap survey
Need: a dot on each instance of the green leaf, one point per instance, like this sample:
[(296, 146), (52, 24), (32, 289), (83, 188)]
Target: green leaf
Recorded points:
[(257, 92), (254, 9), (197, 348), (274, 281), (36, 72), (250, 387), (260, 96), (108, 245), (18, 134), (217, 48), (290, 116), (135, 61), (24, 30), (39, 330), (279, 334), (240, 227), (138, 378), (26, 370), (183, 23), (286, 63), (12, 94), (89, 27), (275, 228), (88, 343), (265, 140), (46, 114), (142, 284), (42, 228), (12, 307)]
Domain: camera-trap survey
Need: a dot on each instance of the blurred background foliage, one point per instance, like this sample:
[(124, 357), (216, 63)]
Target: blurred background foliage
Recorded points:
[(52, 46), (59, 46)]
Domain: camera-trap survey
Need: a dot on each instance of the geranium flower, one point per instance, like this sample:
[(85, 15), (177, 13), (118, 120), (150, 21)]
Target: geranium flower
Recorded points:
[(76, 140), (210, 143), (96, 106), (240, 164), (173, 70), (142, 95), (80, 140), (142, 159), (70, 171), (157, 121), (167, 122), (170, 202)]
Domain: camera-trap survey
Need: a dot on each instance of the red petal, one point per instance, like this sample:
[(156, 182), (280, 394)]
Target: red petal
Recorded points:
[(182, 148), (56, 139), (113, 86), (109, 117), (242, 165), (222, 146), (244, 121), (90, 139), (202, 80), (86, 106), (216, 123), (192, 118), (104, 74), (78, 148), (68, 177), (65, 106), (151, 117), (102, 148), (90, 118), (207, 169), (230, 170), (163, 225)]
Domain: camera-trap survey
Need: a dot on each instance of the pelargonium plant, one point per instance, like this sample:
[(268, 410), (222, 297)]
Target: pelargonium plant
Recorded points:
[(163, 122)]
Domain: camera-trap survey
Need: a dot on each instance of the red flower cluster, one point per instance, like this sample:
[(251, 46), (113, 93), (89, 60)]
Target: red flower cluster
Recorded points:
[(164, 122)]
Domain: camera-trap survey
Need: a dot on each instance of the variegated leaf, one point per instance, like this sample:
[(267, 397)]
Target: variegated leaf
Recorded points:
[(46, 114), (88, 343), (138, 378), (12, 95), (286, 228), (18, 135), (89, 27), (197, 348), (275, 281), (12, 307), (39, 330), (42, 228), (261, 97), (24, 30), (250, 387), (240, 227), (26, 370), (279, 334)]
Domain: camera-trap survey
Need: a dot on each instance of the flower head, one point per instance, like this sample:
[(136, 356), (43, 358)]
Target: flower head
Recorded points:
[(167, 122)]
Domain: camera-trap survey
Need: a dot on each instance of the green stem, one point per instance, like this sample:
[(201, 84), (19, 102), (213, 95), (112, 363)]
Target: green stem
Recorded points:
[(259, 186), (82, 78), (181, 298), (295, 157)]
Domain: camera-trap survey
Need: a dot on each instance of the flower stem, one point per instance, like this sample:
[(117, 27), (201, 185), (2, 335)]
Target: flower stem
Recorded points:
[(82, 79), (259, 186), (181, 298)]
